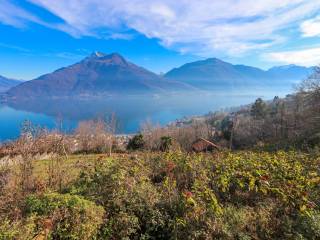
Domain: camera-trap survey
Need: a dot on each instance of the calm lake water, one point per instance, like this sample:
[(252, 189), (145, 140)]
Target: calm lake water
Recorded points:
[(130, 111)]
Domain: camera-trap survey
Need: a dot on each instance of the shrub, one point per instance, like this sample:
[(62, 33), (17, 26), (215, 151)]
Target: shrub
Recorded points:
[(128, 196), (65, 216), (308, 225), (7, 230), (17, 230), (165, 143)]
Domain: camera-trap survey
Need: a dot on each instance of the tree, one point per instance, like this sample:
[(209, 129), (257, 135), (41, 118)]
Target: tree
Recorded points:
[(226, 127), (234, 126), (259, 109), (96, 135), (309, 90), (274, 106), (136, 143)]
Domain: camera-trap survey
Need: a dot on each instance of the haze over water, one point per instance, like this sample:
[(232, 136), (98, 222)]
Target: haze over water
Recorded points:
[(130, 111)]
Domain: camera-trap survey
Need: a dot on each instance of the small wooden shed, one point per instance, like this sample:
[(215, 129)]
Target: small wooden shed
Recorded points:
[(203, 145)]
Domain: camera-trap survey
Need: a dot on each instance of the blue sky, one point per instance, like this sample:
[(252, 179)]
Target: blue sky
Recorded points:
[(39, 36)]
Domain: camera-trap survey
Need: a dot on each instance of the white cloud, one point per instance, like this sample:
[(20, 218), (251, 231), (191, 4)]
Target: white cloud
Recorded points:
[(16, 16), (311, 27), (306, 57), (203, 27), (13, 15)]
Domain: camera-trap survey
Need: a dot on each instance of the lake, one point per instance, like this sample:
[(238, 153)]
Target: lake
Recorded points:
[(130, 111)]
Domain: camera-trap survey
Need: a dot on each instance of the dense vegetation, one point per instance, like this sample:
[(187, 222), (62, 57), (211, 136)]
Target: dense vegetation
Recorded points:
[(172, 195), (291, 122)]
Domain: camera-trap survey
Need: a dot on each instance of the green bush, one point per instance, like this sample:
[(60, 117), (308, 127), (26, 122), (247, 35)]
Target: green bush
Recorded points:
[(65, 216), (7, 230), (129, 198), (24, 229), (308, 225)]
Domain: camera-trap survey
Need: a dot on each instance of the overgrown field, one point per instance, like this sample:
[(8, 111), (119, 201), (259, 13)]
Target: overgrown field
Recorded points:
[(173, 195)]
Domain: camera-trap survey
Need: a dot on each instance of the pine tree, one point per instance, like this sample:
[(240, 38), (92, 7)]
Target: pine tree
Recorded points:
[(259, 109)]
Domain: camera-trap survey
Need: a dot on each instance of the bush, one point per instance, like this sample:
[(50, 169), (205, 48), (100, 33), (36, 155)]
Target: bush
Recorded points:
[(128, 196), (65, 216), (308, 225), (165, 143), (17, 230), (7, 230)]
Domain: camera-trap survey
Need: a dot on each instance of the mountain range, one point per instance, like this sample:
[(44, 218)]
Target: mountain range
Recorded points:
[(7, 83), (97, 73), (111, 73), (215, 73)]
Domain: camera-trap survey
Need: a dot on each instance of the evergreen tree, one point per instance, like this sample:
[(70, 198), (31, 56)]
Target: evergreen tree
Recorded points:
[(137, 142), (259, 109)]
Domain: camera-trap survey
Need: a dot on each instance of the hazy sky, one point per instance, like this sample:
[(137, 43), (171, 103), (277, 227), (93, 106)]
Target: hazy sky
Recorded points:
[(39, 36)]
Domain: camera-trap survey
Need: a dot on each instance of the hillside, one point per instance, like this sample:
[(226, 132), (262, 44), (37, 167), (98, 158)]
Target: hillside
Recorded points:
[(97, 73), (215, 73), (159, 195), (6, 83)]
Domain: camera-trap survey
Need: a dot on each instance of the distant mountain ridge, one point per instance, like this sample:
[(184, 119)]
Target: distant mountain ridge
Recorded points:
[(213, 72), (97, 73), (7, 83), (291, 71), (101, 73)]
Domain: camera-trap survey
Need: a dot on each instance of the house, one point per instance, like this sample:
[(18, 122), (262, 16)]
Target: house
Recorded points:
[(203, 145)]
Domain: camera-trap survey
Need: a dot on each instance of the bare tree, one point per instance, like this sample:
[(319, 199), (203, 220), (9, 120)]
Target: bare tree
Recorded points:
[(96, 135)]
